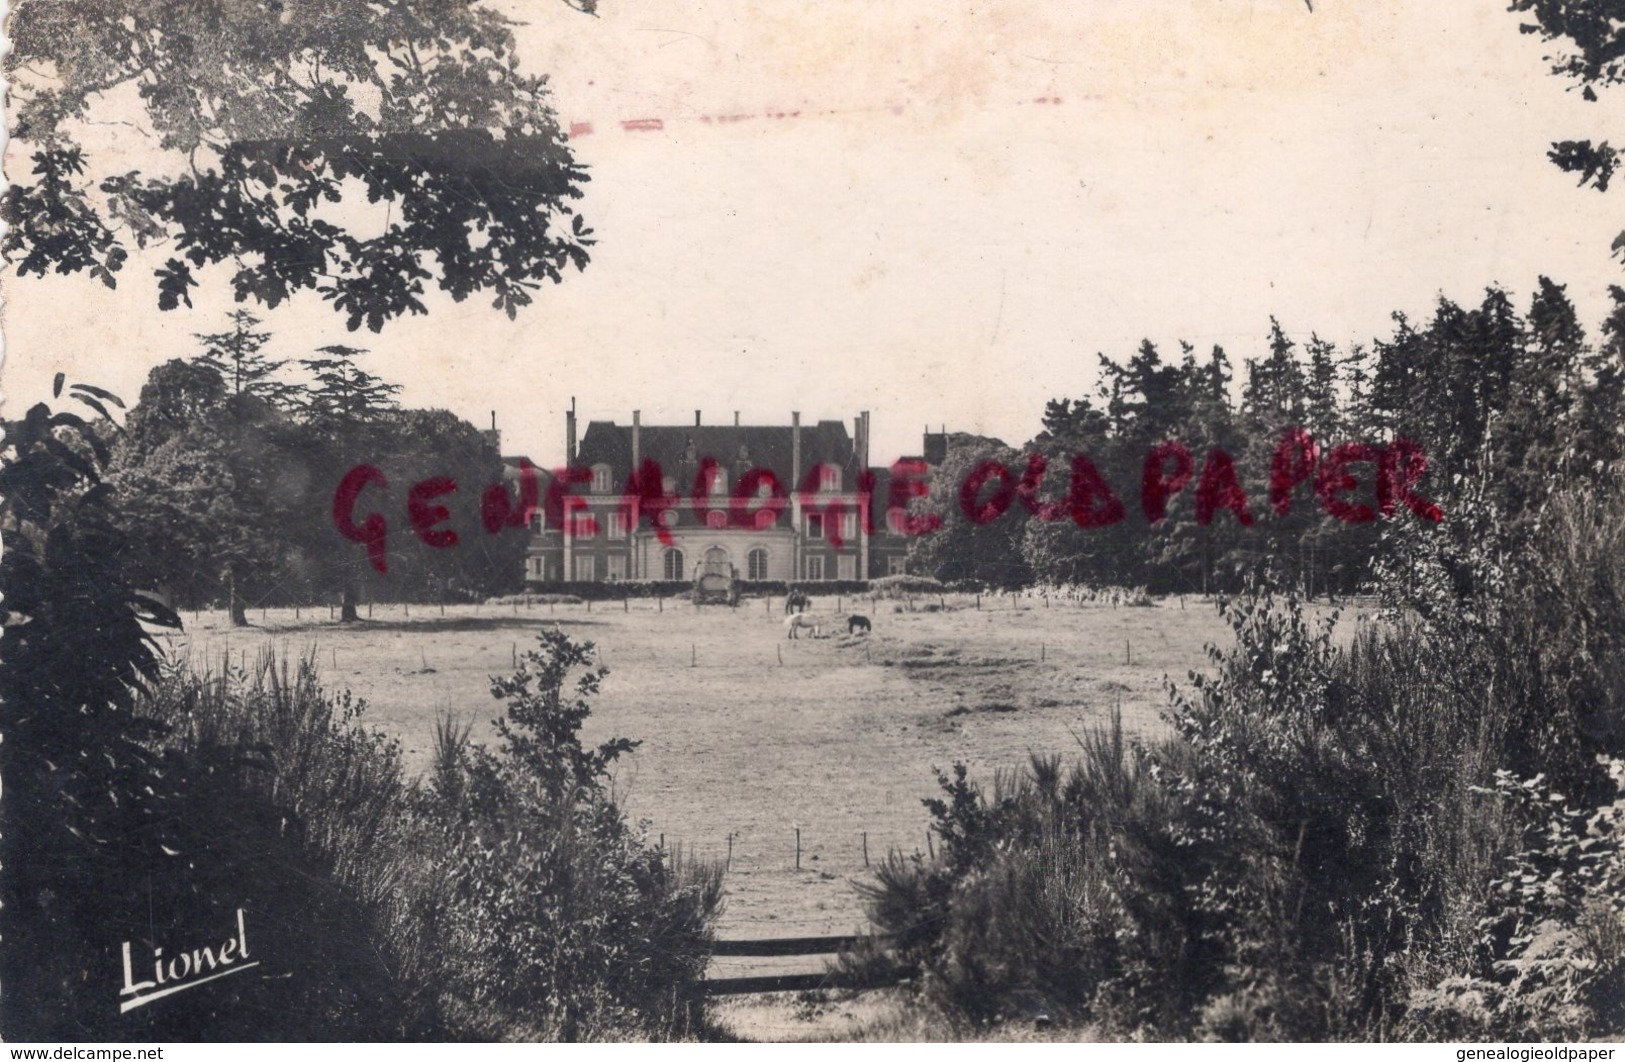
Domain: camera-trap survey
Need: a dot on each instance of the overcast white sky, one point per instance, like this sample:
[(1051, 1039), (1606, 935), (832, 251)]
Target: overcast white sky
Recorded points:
[(957, 207)]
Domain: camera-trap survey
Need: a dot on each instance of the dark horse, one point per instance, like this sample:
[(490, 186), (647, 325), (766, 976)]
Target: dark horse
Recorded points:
[(796, 601)]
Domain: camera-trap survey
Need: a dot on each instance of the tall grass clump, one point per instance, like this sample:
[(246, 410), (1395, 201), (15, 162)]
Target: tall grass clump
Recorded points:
[(506, 897), (1410, 832)]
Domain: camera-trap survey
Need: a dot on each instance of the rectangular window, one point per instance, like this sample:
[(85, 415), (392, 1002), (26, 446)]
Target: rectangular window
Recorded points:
[(815, 525), (849, 527), (829, 479), (617, 524), (586, 570), (600, 479), (815, 568), (615, 565), (847, 566), (896, 564)]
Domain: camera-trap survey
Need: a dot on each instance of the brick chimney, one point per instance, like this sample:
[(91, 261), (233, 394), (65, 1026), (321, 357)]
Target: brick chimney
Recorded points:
[(570, 434), (795, 451), (494, 437), (637, 439)]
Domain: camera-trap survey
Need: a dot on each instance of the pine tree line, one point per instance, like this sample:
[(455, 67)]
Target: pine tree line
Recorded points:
[(1510, 403)]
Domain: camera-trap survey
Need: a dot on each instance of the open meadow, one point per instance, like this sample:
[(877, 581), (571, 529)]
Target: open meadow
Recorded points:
[(751, 736)]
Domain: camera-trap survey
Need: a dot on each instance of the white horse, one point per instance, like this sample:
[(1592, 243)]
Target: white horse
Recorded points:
[(798, 622)]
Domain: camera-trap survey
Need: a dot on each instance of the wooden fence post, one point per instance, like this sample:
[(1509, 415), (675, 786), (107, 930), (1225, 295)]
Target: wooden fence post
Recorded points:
[(730, 864), (798, 847), (865, 847)]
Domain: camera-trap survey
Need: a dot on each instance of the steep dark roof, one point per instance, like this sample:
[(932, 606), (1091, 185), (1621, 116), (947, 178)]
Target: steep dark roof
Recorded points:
[(679, 449)]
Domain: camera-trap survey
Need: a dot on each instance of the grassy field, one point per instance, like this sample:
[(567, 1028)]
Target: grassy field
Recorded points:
[(748, 734)]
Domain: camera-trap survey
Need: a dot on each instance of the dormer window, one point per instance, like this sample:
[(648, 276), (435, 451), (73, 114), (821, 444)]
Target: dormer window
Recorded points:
[(601, 479), (829, 478), (716, 519), (719, 480)]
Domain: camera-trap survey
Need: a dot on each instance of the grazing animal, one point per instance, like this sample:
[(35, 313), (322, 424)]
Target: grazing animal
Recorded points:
[(796, 601), (854, 624), (799, 622)]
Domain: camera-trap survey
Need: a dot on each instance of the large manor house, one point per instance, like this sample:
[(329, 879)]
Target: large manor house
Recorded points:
[(831, 520)]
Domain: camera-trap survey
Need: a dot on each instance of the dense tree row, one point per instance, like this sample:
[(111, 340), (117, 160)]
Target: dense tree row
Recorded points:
[(1174, 477), (224, 480)]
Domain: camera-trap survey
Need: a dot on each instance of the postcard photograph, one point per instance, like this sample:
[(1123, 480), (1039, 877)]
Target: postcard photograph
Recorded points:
[(590, 520)]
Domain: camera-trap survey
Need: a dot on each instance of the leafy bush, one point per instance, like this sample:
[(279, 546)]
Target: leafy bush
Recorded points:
[(1327, 843), (296, 814), (535, 599), (507, 898), (893, 586), (553, 916), (86, 811), (1063, 888)]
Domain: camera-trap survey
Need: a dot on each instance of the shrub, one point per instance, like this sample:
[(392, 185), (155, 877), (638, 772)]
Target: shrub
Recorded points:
[(894, 586), (298, 815), (536, 599), (86, 809), (506, 898), (552, 915), (1317, 848), (1063, 888)]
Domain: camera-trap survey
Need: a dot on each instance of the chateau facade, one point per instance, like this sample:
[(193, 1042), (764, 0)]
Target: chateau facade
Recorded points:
[(788, 503)]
